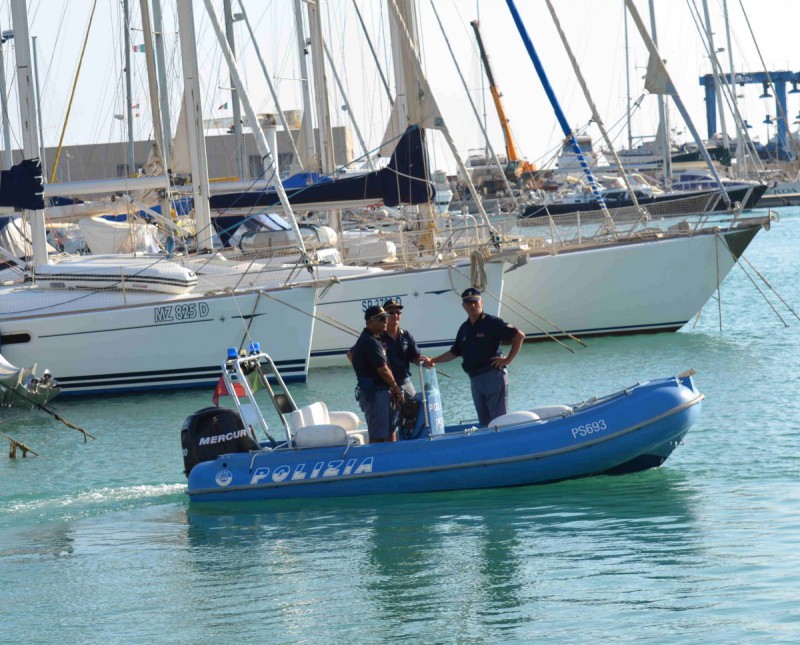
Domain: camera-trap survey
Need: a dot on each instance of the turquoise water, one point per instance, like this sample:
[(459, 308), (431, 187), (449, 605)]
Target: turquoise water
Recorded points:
[(98, 542)]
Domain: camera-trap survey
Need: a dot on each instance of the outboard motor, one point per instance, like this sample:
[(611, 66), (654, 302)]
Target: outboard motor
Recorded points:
[(211, 432)]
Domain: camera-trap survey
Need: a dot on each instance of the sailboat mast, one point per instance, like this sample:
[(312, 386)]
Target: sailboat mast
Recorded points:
[(308, 148), (237, 110), (7, 156), (297, 159), (128, 89), (324, 128), (627, 78), (468, 94), (560, 116), (28, 120), (595, 114), (152, 81), (163, 94), (657, 68), (408, 109), (39, 105), (194, 123), (268, 155), (663, 126), (741, 133), (717, 81)]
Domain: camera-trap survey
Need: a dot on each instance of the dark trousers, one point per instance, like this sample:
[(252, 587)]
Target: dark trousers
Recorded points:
[(376, 404), (490, 394)]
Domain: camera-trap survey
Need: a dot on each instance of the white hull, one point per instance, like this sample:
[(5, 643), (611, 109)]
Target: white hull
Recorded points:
[(148, 343), (654, 285), (432, 307)]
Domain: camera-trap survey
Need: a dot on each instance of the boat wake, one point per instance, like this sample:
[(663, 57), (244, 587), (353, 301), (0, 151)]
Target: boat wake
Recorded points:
[(91, 502)]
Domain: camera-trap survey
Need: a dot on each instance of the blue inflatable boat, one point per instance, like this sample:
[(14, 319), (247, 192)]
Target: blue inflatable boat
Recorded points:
[(320, 453)]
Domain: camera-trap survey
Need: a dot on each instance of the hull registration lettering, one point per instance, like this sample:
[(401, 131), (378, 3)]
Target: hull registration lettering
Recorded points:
[(177, 313), (578, 432)]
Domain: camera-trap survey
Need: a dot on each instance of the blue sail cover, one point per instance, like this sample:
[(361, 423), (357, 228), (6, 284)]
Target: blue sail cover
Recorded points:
[(21, 186), (403, 181)]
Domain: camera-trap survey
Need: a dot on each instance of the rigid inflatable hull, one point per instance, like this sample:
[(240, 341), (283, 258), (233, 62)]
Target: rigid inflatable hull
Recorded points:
[(641, 424)]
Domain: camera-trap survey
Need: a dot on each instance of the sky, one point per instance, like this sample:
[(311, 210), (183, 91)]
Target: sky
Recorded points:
[(594, 29)]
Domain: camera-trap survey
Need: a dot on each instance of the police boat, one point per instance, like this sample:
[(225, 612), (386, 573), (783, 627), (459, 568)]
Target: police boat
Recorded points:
[(314, 452)]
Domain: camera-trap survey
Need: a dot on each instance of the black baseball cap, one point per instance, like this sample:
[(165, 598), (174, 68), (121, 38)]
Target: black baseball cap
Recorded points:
[(471, 294), (374, 313), (392, 303)]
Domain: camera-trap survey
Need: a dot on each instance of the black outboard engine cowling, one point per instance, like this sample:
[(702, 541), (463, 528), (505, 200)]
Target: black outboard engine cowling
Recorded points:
[(211, 432)]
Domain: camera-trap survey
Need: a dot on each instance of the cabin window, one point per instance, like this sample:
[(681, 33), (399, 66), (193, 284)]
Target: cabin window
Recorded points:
[(14, 339)]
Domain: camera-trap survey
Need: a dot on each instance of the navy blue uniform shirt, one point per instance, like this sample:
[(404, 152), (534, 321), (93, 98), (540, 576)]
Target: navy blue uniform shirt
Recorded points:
[(400, 353), (368, 356), (478, 343)]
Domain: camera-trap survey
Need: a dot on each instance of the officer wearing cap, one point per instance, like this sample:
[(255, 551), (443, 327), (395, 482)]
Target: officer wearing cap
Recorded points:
[(478, 343), (401, 348), (376, 384)]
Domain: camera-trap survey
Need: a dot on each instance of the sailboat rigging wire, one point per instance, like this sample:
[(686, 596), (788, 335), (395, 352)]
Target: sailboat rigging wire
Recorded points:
[(597, 119), (474, 108), (548, 89), (323, 318), (719, 295), (72, 95), (426, 89), (670, 89), (544, 331), (374, 54), (763, 295), (729, 94), (250, 318), (766, 282), (272, 91), (763, 63)]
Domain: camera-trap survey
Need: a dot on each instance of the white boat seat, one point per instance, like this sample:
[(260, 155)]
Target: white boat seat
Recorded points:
[(513, 419), (550, 411), (309, 415), (348, 420), (317, 414), (320, 436)]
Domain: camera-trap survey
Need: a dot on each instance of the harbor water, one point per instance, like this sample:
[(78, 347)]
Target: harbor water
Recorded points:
[(99, 544)]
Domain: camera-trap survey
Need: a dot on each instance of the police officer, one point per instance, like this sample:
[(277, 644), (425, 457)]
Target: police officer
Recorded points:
[(377, 386), (401, 348), (478, 343)]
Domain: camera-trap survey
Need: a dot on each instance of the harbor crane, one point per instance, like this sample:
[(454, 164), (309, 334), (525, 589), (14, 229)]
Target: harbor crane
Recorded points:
[(517, 169)]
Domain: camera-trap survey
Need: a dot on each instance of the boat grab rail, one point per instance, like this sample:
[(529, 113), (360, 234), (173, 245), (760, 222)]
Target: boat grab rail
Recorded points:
[(235, 372)]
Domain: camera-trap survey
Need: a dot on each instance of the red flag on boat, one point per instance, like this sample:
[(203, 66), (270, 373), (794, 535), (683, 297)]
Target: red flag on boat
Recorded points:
[(222, 390)]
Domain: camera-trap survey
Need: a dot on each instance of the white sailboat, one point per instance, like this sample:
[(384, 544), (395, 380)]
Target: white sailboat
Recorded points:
[(154, 323), (630, 270), (430, 292), (127, 323)]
